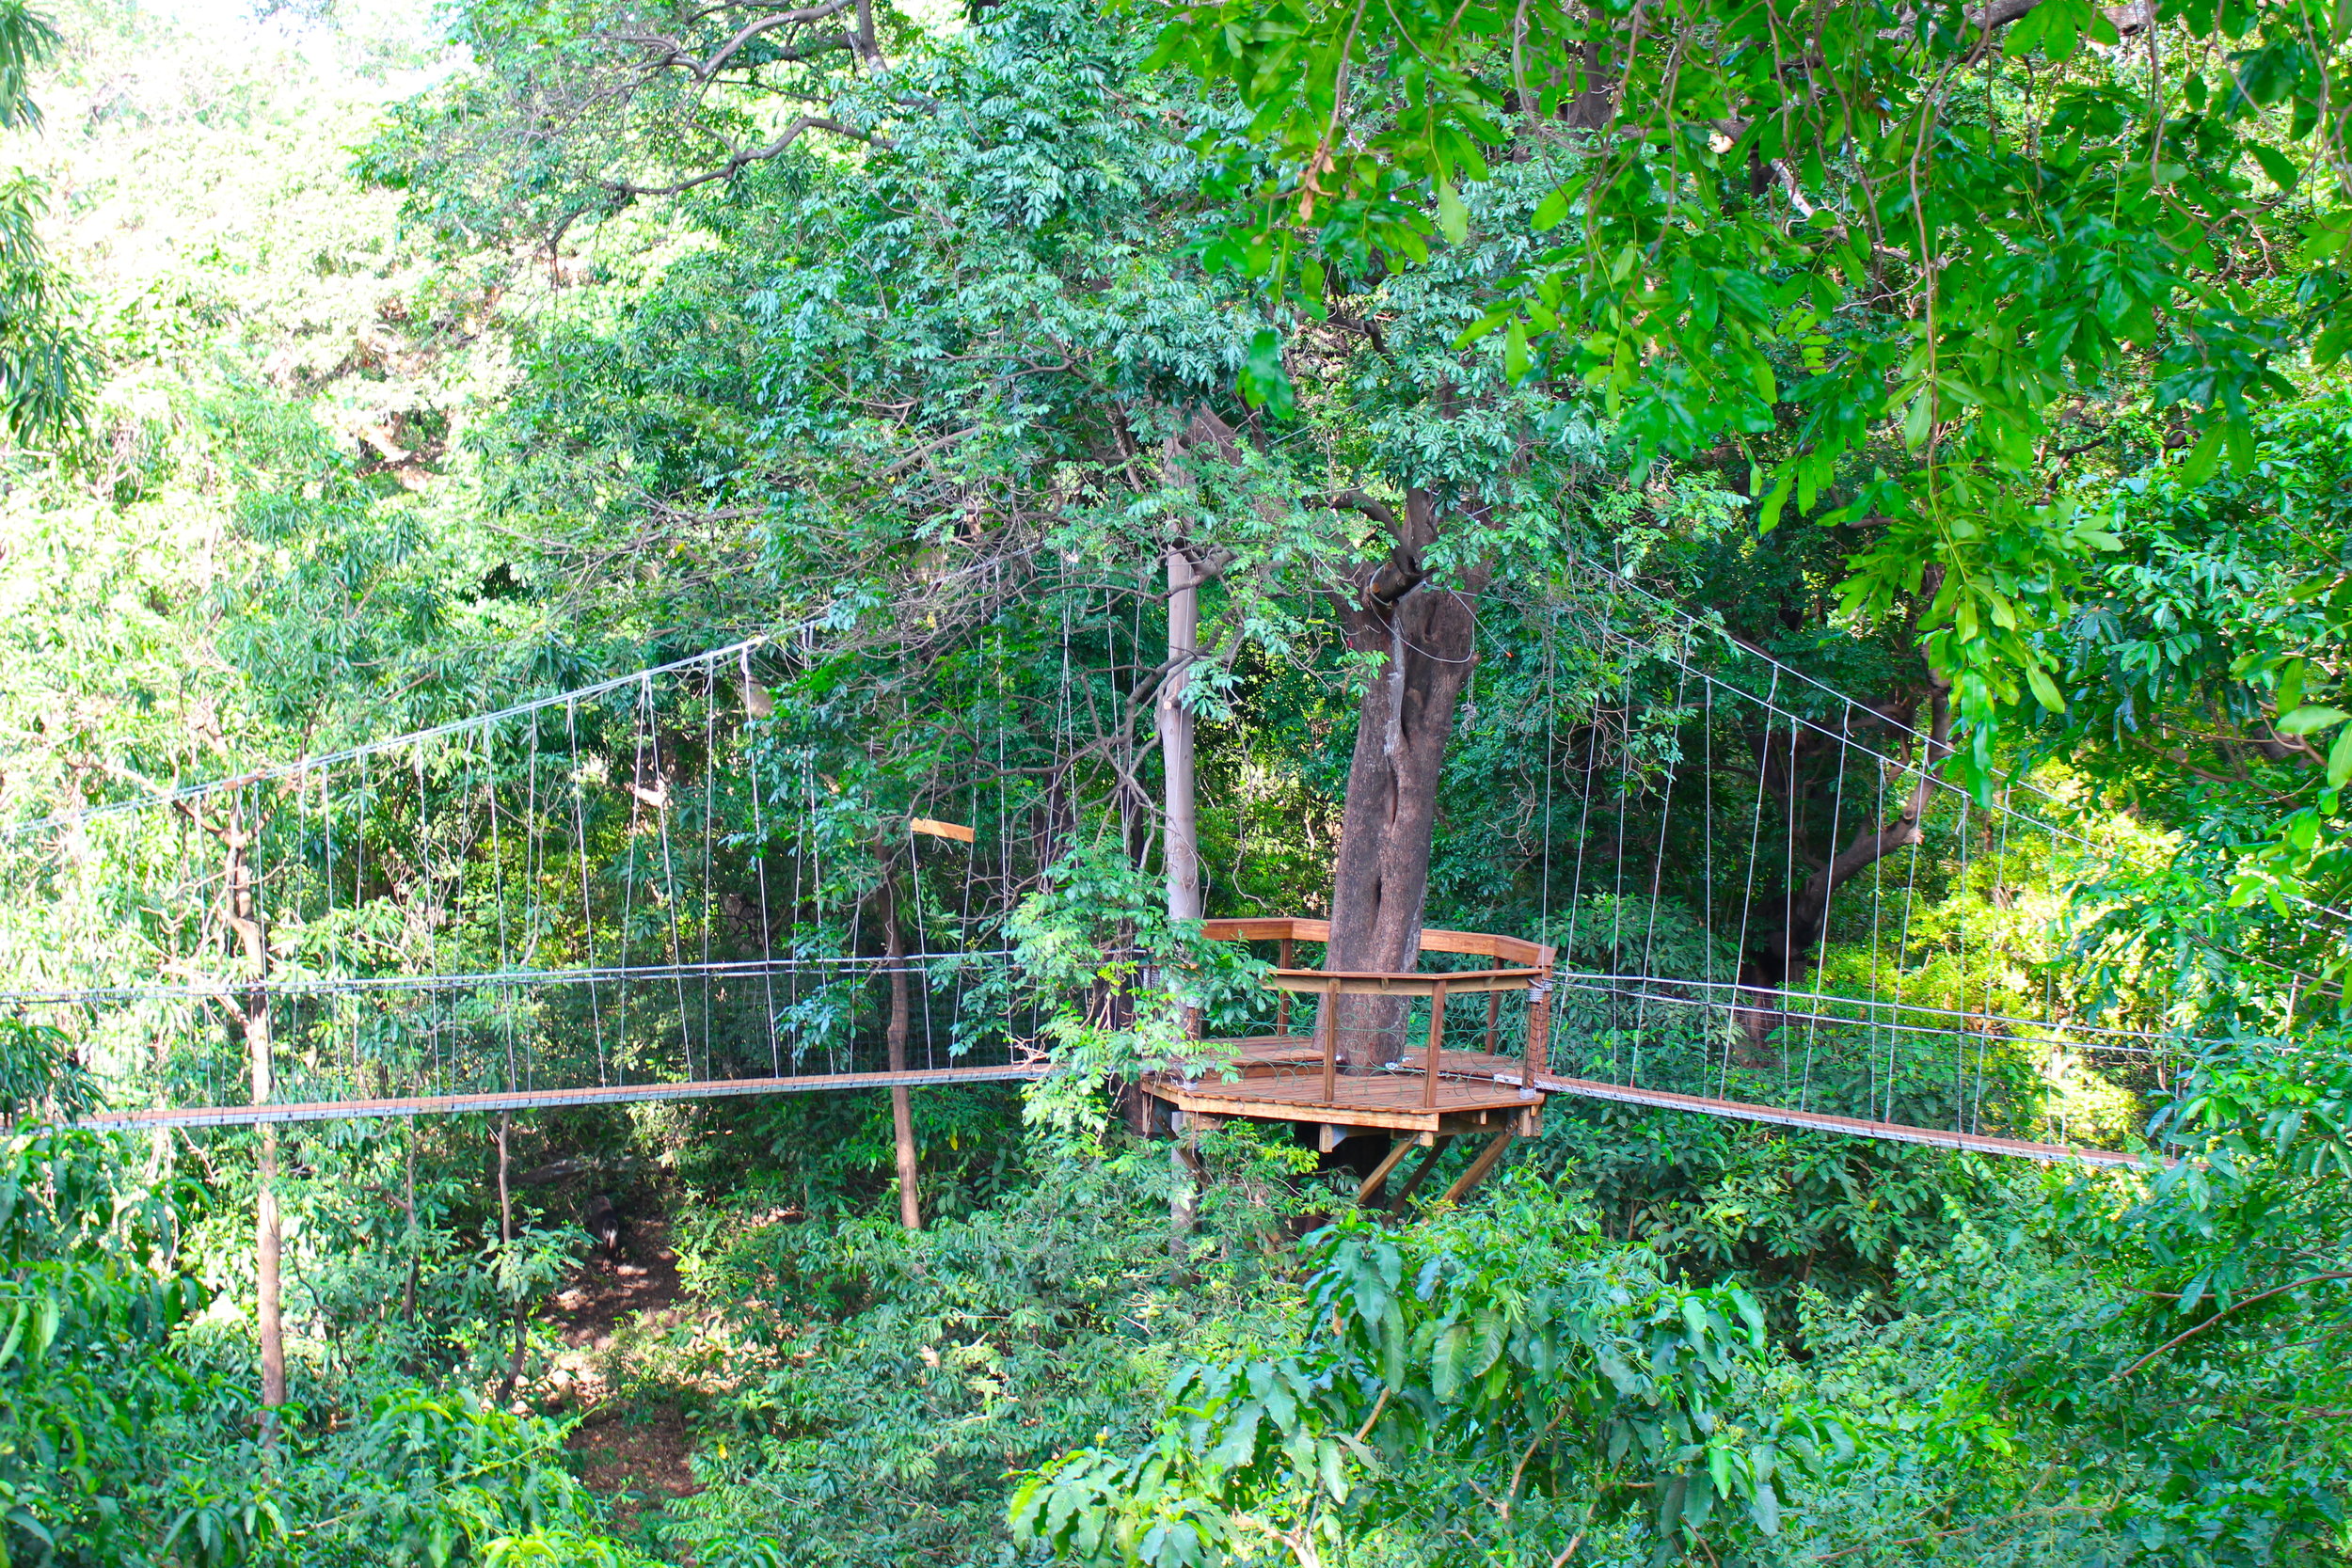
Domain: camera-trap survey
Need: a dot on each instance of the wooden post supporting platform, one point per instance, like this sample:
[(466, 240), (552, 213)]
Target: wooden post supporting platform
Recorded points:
[(1538, 1030), (1330, 1022), (1487, 1159), (1381, 1172), (1436, 1045), (1420, 1172)]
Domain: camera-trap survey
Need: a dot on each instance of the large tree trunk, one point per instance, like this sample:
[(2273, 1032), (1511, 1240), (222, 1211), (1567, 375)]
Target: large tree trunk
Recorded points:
[(1425, 636)]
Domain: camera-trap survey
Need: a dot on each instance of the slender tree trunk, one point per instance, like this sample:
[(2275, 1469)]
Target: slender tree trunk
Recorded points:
[(1182, 848), (895, 1037), (408, 1289), (245, 919), (506, 1242), (1425, 636), (1184, 1202), (267, 1255)]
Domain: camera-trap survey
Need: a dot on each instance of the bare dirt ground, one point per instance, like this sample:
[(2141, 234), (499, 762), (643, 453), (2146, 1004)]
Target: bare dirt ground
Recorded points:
[(636, 1454)]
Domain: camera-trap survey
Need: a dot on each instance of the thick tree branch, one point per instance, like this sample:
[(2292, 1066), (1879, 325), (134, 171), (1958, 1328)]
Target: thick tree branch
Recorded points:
[(792, 132), (2187, 1335)]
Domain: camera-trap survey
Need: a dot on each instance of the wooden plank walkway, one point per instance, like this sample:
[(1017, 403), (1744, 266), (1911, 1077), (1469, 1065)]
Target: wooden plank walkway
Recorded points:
[(1462, 1093), (1820, 1121)]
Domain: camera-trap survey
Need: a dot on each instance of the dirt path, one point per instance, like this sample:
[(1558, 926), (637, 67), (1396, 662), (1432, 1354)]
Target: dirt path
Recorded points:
[(635, 1454)]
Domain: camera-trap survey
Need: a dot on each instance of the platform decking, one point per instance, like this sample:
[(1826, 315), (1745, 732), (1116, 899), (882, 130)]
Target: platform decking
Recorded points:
[(1280, 1077)]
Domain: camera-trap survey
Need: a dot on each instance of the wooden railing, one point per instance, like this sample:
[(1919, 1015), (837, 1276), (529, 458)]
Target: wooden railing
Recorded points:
[(1530, 970)]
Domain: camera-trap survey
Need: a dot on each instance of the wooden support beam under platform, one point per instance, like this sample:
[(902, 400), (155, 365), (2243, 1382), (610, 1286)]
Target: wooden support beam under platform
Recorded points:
[(1467, 1182), (1286, 1077), (1421, 1174), (1393, 1107), (1378, 1179)]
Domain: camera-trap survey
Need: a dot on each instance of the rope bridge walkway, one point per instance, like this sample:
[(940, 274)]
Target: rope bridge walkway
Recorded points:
[(759, 869)]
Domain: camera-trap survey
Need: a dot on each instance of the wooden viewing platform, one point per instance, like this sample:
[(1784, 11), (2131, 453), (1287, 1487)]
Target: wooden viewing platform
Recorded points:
[(1433, 1092)]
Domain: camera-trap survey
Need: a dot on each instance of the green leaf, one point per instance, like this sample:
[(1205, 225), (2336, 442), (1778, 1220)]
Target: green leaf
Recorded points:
[(2203, 457), (1240, 1439), (1769, 517), (2275, 164), (1264, 383), (2291, 685), (1551, 211), (2340, 760), (1453, 217), (2045, 691), (2311, 717), (1446, 1362), (2240, 436)]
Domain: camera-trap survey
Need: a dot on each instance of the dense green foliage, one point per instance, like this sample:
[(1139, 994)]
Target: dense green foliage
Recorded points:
[(388, 381)]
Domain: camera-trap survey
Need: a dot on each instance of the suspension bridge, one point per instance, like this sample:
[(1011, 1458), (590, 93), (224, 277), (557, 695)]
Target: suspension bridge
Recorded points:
[(1715, 885)]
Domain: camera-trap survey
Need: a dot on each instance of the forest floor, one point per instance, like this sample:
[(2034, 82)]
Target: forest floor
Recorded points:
[(632, 1450)]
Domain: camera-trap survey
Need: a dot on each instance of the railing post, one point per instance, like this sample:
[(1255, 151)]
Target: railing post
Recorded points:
[(1283, 1007), (1330, 1021), (1494, 1013), (1538, 1030), (1437, 1042)]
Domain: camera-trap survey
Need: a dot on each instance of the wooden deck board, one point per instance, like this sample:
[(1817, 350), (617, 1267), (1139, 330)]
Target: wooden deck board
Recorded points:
[(1279, 1082)]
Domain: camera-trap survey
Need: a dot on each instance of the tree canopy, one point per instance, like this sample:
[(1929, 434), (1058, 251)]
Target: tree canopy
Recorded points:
[(1442, 434)]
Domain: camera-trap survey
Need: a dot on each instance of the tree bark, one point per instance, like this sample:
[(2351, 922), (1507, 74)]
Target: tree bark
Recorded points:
[(895, 1038), (1184, 1202), (245, 920), (1425, 636), (1180, 844), (506, 1242)]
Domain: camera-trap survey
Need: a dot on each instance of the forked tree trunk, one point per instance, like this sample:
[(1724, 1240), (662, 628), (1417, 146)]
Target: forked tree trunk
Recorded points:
[(1425, 636), (895, 1038)]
